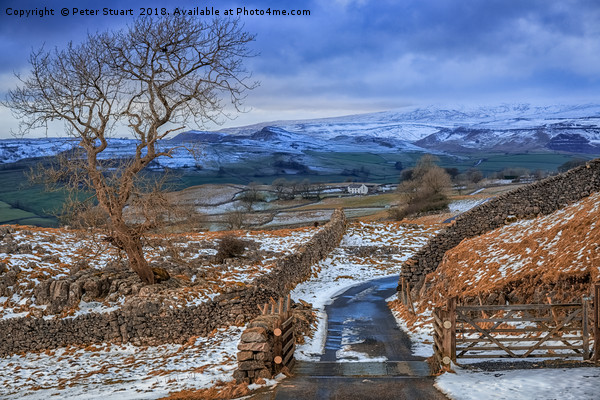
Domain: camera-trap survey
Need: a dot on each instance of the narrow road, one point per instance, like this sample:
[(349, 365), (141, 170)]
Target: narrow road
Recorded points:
[(366, 355), (360, 315)]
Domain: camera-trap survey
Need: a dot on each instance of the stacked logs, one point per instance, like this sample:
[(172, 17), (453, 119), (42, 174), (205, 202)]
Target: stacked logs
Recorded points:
[(255, 356)]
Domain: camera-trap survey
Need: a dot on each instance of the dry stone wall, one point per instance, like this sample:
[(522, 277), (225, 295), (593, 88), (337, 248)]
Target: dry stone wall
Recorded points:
[(143, 320), (539, 198), (295, 268)]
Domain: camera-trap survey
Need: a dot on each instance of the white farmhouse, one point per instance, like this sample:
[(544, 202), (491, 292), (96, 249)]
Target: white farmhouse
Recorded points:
[(358, 189)]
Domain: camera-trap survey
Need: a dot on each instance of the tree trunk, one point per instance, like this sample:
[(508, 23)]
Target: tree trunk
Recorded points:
[(133, 247)]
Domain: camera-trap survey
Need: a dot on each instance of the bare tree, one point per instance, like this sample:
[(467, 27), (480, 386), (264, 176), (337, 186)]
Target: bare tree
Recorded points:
[(435, 182), (251, 196), (426, 190), (280, 185), (149, 80), (236, 219), (318, 189), (305, 188)]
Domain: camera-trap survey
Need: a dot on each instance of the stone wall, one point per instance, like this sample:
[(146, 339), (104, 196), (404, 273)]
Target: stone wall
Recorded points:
[(145, 321), (295, 268), (539, 198)]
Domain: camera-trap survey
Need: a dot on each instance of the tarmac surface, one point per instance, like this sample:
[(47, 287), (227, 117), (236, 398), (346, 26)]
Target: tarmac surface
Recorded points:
[(360, 321)]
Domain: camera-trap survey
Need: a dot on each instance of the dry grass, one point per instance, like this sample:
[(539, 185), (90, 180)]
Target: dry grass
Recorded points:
[(379, 200), (222, 390), (558, 253)]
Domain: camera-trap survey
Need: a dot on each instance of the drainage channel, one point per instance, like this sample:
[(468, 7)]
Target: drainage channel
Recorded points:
[(362, 369)]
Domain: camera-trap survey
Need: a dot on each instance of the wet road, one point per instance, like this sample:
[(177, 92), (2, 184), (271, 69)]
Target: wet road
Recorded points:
[(366, 355), (361, 314)]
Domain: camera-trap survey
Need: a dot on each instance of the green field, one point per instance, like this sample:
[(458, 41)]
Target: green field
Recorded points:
[(491, 163), (24, 203), (364, 167)]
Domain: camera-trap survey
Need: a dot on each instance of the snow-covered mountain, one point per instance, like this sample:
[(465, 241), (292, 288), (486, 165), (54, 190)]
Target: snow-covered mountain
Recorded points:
[(416, 123), (509, 128)]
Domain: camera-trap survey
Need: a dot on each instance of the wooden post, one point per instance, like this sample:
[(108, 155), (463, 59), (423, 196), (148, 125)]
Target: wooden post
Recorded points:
[(409, 299), (448, 317), (596, 356), (452, 332), (446, 339), (280, 306), (277, 347), (287, 305), (263, 309), (402, 292), (584, 328)]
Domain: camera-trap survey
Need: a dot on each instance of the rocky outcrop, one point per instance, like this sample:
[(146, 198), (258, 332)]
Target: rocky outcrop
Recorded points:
[(86, 284), (540, 198)]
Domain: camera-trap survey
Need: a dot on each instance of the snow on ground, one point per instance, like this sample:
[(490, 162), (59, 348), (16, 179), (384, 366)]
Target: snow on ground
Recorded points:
[(113, 371), (345, 268), (128, 372), (530, 384), (51, 253), (461, 206), (120, 372)]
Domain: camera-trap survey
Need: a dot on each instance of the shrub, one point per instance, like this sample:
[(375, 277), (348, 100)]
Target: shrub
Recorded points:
[(230, 247), (420, 205), (397, 213)]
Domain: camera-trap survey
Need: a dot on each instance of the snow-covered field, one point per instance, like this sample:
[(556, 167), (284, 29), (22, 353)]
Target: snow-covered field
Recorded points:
[(120, 371), (114, 371), (524, 384), (127, 372), (461, 206), (51, 253)]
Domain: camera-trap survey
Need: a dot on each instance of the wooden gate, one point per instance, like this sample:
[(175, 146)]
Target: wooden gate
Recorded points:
[(285, 341), (514, 331)]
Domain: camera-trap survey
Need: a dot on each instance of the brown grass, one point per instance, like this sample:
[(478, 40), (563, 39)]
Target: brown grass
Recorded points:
[(555, 256), (222, 390)]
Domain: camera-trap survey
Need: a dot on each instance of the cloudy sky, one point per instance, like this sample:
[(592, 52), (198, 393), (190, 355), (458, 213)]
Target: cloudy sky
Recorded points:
[(355, 56)]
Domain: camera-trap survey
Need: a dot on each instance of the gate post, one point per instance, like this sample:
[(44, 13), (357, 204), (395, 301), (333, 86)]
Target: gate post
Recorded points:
[(596, 329), (449, 330), (585, 333)]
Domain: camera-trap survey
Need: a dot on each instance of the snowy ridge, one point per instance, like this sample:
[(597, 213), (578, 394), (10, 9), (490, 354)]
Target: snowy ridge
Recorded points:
[(456, 129)]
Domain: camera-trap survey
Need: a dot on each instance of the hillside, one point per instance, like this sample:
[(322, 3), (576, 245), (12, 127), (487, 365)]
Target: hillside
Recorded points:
[(555, 256), (362, 143)]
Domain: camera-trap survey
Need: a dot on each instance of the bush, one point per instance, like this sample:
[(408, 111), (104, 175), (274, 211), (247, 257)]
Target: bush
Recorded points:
[(420, 205), (397, 213), (230, 247)]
